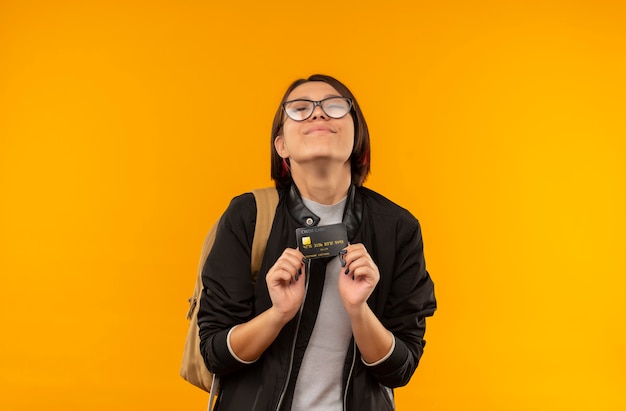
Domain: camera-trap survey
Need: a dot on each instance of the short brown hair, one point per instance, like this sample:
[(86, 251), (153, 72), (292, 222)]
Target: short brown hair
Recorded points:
[(360, 158)]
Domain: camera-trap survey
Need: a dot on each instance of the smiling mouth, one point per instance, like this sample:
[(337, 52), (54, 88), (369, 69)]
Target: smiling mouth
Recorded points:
[(319, 130)]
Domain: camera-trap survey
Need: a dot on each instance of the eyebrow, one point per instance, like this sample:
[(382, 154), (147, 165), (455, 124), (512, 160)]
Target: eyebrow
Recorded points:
[(309, 98)]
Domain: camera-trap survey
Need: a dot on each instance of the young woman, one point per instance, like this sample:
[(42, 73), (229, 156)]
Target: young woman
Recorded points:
[(336, 333)]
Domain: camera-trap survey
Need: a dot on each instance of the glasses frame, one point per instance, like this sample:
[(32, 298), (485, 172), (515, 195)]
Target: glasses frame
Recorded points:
[(315, 104)]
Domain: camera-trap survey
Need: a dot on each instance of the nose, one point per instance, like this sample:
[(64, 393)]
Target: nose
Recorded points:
[(317, 112)]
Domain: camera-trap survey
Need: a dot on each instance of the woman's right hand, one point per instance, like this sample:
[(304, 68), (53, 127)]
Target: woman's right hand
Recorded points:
[(285, 282), (249, 340)]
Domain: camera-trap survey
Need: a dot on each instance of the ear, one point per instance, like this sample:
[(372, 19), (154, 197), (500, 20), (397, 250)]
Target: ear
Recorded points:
[(281, 148)]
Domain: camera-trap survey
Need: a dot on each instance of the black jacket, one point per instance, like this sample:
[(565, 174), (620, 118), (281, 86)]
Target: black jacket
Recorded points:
[(402, 299)]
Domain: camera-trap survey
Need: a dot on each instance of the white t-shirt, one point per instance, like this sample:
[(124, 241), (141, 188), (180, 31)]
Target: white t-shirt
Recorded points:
[(319, 383)]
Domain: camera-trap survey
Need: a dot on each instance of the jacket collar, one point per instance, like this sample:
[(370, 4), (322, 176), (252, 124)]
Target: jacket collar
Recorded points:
[(352, 214)]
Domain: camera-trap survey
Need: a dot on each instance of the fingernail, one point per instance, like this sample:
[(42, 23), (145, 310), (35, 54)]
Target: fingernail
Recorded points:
[(343, 262), (347, 271), (299, 271), (296, 277), (343, 252)]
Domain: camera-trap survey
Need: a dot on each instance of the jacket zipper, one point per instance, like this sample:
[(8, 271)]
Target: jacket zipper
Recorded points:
[(295, 337)]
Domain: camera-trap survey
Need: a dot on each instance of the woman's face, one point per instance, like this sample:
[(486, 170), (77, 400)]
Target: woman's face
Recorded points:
[(318, 138)]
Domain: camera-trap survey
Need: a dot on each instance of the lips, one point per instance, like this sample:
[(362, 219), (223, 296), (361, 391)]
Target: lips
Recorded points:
[(318, 129)]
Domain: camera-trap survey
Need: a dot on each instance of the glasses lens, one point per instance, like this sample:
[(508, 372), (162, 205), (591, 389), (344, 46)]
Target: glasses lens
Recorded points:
[(336, 107), (299, 109)]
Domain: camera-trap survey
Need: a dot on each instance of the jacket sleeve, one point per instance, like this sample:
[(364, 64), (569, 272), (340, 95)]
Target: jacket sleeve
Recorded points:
[(410, 299), (227, 297)]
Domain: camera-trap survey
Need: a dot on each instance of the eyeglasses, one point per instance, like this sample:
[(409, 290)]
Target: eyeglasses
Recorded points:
[(333, 107)]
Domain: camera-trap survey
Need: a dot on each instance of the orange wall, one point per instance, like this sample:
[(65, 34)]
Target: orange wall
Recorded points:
[(499, 124)]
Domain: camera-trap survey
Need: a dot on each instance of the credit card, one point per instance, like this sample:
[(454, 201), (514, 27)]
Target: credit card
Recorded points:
[(322, 241)]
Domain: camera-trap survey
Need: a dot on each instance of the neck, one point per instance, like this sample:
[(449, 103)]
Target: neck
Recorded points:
[(322, 185)]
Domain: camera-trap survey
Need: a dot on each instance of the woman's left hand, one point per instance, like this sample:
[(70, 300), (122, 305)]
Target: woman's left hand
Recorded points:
[(358, 277)]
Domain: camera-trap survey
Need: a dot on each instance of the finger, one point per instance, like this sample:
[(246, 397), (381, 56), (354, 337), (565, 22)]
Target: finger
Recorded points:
[(279, 275), (296, 266), (353, 254), (360, 264), (294, 256), (285, 267), (288, 261)]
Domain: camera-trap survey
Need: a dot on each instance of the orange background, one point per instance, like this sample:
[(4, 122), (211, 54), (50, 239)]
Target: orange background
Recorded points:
[(127, 126)]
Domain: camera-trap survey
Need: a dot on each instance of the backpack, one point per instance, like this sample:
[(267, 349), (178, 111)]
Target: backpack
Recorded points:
[(192, 368)]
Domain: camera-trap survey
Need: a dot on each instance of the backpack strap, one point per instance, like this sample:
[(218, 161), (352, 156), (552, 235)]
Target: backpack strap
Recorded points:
[(192, 367), (266, 202)]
